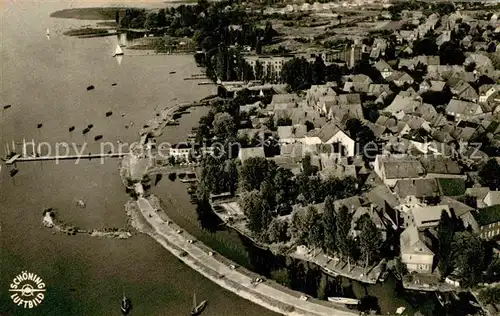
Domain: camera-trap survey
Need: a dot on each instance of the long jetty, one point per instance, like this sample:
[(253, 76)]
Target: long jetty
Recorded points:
[(19, 158)]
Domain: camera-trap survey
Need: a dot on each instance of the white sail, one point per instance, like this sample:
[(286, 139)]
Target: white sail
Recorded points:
[(48, 32), (118, 50)]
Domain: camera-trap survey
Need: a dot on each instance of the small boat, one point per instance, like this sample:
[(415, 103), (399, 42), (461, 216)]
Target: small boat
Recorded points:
[(440, 299), (109, 113), (72, 128), (5, 107), (125, 305), (90, 126), (39, 125), (48, 32), (81, 204), (123, 114), (400, 310), (118, 51), (113, 84), (98, 137), (91, 87), (86, 130), (13, 172), (172, 72), (343, 300), (197, 309)]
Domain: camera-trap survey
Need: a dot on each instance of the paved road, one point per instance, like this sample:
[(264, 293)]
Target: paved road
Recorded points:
[(247, 290)]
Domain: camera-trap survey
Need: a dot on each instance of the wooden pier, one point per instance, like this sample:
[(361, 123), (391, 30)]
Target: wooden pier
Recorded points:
[(19, 158)]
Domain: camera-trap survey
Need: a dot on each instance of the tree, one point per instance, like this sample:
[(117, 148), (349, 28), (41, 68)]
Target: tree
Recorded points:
[(316, 233), (297, 73), (344, 241), (322, 288), (161, 20), (369, 239), (224, 126), (329, 225), (468, 254), (259, 70), (307, 167), (256, 211), (490, 295), (151, 21), (286, 192), (445, 239), (362, 134), (450, 53), (318, 71), (426, 46), (490, 174), (277, 231), (300, 228), (254, 171)]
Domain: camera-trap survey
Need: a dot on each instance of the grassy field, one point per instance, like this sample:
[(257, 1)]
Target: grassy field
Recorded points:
[(107, 13), (86, 32)]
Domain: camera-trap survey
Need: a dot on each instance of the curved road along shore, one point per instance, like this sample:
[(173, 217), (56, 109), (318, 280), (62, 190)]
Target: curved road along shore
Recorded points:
[(231, 279)]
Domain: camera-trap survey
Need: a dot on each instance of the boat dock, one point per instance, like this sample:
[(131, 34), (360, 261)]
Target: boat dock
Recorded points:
[(19, 158)]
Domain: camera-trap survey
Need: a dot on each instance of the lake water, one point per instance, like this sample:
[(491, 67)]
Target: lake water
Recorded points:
[(45, 82)]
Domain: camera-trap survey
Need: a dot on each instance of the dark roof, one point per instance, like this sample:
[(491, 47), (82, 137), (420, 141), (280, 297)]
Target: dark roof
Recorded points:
[(438, 164), (488, 215), (417, 188)]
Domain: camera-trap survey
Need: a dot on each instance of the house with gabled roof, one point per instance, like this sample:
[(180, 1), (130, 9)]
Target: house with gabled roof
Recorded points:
[(463, 90), (330, 133), (291, 134), (391, 168), (316, 92), (463, 110), (423, 216), (485, 222), (400, 78), (402, 104), (383, 67), (415, 252)]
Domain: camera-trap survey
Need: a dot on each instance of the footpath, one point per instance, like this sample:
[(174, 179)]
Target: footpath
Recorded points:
[(226, 274)]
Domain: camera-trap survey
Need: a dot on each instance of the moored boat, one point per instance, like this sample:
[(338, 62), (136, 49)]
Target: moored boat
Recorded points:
[(109, 113), (343, 300), (125, 305), (118, 51), (198, 308)]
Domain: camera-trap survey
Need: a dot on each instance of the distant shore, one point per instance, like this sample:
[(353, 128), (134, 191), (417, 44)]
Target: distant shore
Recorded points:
[(105, 13)]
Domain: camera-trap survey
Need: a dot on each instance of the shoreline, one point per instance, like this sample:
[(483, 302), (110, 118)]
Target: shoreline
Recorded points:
[(223, 272)]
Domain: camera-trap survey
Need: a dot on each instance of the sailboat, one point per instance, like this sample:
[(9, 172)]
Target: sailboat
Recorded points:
[(118, 51), (125, 305), (197, 309)]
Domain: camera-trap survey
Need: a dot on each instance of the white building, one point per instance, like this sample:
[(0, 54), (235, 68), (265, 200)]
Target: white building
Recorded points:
[(414, 252)]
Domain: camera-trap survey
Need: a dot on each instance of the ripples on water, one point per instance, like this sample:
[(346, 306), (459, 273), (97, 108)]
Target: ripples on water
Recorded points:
[(45, 81)]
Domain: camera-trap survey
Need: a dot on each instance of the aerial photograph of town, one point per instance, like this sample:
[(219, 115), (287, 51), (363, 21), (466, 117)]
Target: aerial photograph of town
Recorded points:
[(258, 157)]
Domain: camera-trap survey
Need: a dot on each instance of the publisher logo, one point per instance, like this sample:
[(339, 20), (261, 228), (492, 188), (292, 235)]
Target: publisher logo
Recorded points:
[(28, 290)]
